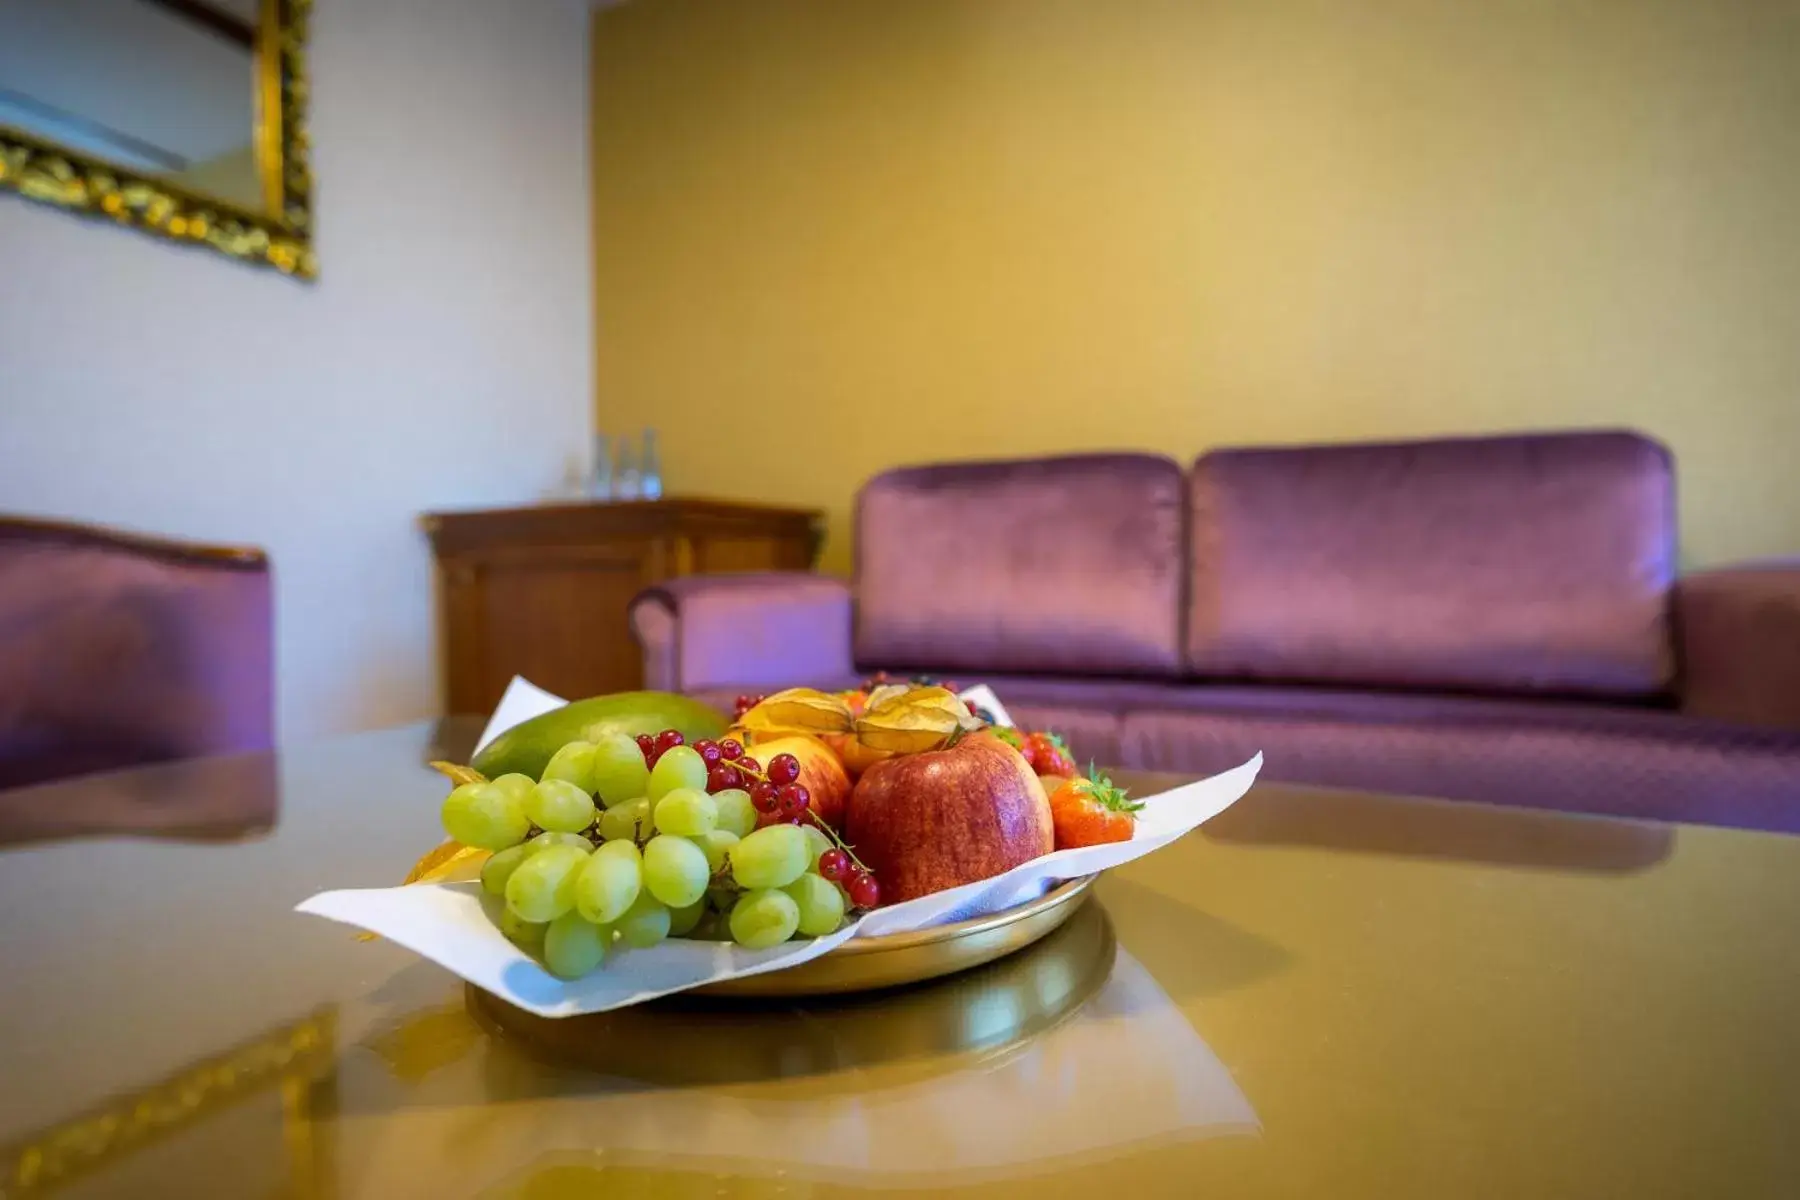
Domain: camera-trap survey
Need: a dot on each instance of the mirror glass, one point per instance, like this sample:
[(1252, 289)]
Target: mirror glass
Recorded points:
[(165, 89)]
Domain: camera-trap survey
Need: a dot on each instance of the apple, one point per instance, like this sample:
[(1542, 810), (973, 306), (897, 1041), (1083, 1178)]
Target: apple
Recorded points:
[(820, 771), (943, 818)]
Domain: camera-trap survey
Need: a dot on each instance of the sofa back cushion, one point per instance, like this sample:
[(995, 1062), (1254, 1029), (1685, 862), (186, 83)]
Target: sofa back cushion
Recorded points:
[(1068, 565), (1535, 563)]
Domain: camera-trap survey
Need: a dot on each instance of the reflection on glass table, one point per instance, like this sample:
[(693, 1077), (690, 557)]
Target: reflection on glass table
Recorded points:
[(1066, 1053)]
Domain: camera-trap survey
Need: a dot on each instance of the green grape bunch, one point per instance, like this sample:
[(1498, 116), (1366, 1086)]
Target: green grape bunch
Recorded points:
[(623, 842)]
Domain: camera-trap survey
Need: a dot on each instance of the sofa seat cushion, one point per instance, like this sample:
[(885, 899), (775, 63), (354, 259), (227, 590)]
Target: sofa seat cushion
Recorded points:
[(1065, 565), (1619, 760), (1622, 763), (1533, 564)]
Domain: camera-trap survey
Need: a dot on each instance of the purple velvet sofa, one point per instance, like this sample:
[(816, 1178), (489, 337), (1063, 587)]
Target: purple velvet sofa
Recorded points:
[(1493, 619), (118, 650)]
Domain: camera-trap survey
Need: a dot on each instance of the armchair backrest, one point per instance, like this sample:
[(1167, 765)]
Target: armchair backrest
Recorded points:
[(117, 650)]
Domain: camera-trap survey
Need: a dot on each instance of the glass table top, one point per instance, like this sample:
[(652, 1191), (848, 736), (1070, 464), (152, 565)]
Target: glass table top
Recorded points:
[(1318, 993)]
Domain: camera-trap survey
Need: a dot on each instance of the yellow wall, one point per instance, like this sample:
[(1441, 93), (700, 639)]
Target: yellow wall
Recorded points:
[(839, 234)]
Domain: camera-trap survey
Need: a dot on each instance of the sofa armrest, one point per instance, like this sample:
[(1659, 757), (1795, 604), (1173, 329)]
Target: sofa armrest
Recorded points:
[(1739, 639), (771, 629)]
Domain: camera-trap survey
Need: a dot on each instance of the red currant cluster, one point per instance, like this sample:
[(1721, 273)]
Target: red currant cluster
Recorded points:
[(727, 766), (778, 797), (856, 880), (744, 704)]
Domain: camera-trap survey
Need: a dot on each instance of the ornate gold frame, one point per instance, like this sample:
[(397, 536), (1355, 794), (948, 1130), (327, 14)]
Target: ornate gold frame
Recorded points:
[(279, 238)]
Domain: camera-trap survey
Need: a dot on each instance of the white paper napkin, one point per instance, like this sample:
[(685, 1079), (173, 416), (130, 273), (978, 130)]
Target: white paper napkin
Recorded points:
[(449, 923)]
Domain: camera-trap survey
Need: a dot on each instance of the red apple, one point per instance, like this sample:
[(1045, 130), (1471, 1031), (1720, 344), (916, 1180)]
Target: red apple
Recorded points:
[(936, 820), (820, 770)]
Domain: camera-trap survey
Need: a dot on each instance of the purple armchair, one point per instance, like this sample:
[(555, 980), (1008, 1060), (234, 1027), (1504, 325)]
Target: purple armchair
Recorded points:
[(1491, 619), (118, 650)]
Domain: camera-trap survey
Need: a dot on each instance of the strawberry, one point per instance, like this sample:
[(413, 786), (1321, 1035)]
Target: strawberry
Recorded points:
[(1049, 755), (1012, 737), (1092, 812)]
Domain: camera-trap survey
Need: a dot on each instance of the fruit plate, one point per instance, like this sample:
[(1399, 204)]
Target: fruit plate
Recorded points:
[(865, 964)]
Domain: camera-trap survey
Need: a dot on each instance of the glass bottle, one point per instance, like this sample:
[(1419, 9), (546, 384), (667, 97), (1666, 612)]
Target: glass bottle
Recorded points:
[(600, 479), (627, 483), (651, 464)]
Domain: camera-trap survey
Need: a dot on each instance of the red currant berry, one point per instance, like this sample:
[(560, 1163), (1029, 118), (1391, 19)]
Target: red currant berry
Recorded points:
[(834, 865), (646, 744), (864, 891), (669, 739), (764, 820), (733, 774), (747, 765), (708, 750), (794, 799), (784, 768), (765, 797), (720, 779), (729, 748)]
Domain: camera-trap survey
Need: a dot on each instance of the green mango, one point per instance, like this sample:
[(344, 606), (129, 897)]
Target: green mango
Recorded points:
[(526, 748)]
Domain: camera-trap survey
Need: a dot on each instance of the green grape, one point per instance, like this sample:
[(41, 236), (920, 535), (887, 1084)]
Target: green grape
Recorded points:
[(679, 766), (630, 820), (542, 888), (574, 946), (675, 870), (526, 935), (736, 813), (771, 857), (682, 921), (686, 812), (517, 784), (763, 918), (482, 815), (499, 868), (619, 770), (560, 806), (818, 842), (821, 904), (574, 763), (714, 845), (609, 882), (645, 923), (544, 841)]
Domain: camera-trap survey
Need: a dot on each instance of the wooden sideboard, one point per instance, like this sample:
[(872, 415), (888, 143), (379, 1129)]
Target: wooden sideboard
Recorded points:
[(543, 591)]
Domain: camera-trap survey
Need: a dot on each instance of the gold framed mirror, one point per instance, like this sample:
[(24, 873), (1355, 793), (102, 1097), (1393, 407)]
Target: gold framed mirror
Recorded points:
[(183, 118)]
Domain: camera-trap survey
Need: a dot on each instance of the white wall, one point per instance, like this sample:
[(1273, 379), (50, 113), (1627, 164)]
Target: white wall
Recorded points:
[(442, 360)]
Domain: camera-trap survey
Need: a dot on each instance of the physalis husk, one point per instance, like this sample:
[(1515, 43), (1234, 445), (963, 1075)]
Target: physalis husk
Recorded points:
[(908, 720), (797, 710)]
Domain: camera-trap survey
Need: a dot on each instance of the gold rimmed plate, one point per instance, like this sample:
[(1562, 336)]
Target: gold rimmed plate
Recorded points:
[(864, 964)]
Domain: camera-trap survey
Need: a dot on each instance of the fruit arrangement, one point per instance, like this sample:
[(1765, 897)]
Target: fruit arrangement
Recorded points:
[(605, 833)]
